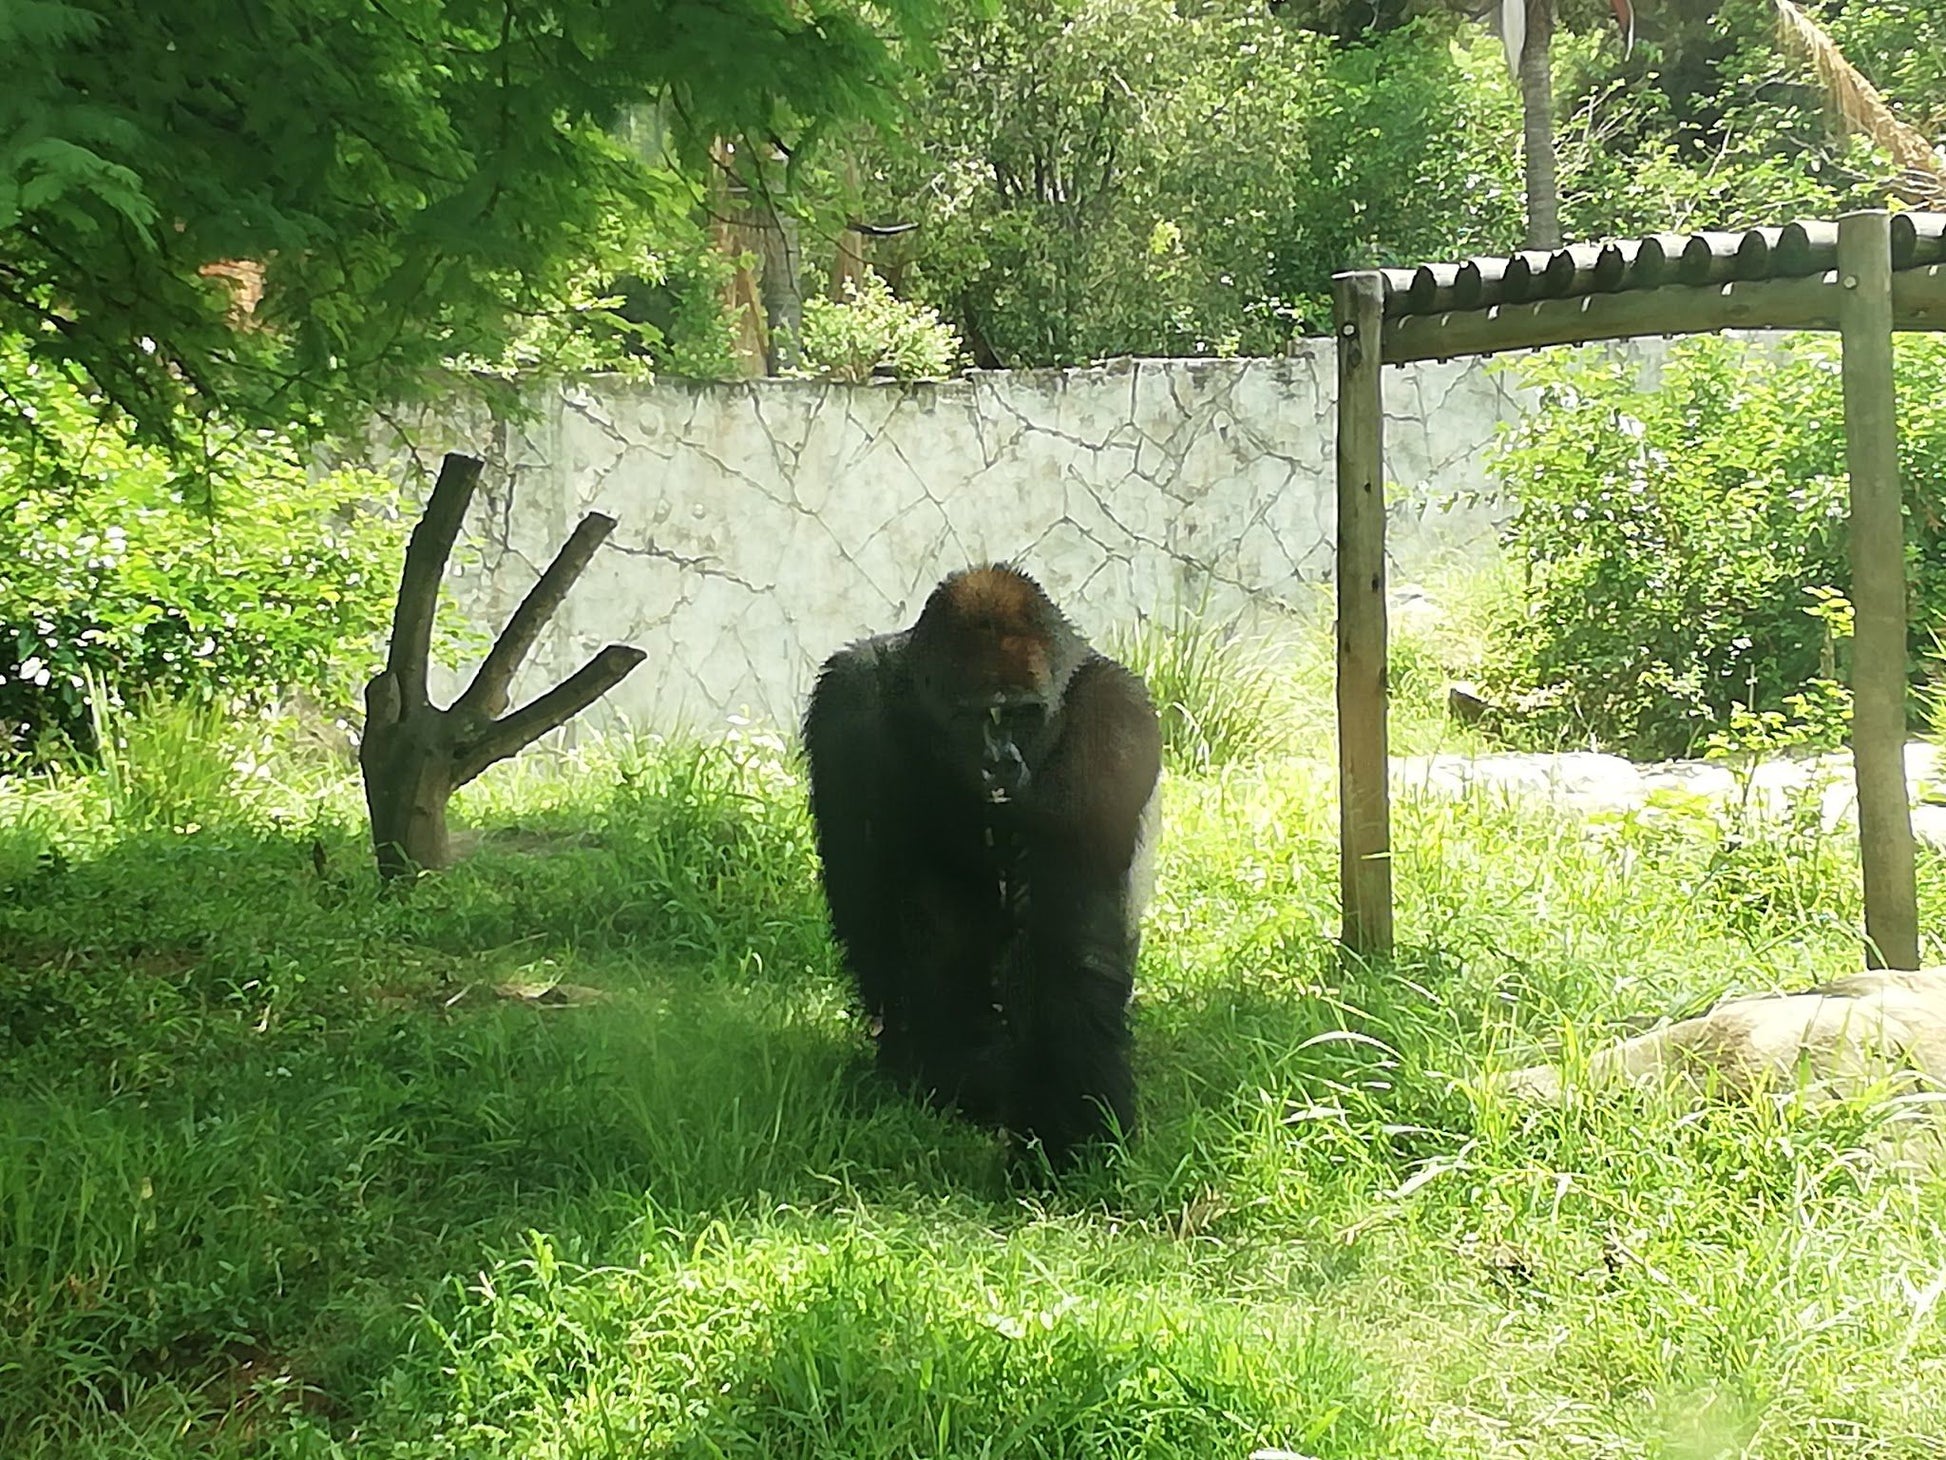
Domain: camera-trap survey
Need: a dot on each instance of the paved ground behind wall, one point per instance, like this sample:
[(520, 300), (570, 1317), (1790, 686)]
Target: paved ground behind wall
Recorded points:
[(1587, 781)]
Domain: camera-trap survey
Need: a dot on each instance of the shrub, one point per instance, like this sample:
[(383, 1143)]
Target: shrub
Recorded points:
[(1215, 693), (128, 573), (1684, 546), (874, 327)]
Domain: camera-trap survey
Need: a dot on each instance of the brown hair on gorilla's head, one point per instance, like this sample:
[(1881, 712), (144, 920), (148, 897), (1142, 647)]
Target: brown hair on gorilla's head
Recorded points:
[(994, 632)]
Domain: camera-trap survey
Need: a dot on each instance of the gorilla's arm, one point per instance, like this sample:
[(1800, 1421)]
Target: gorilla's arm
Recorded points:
[(848, 741), (912, 931), (1089, 824)]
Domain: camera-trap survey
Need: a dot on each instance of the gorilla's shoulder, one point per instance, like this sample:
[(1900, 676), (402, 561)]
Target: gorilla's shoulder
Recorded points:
[(1113, 743), (1111, 689), (858, 679)]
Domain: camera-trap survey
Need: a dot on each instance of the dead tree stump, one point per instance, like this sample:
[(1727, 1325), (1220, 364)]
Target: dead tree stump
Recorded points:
[(413, 756)]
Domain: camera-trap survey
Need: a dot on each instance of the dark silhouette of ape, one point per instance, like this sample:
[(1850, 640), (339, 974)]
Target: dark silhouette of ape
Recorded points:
[(982, 787)]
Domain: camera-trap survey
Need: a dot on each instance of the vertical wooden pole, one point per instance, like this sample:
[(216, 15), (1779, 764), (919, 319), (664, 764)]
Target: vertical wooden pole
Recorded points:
[(1364, 799), (1878, 591)]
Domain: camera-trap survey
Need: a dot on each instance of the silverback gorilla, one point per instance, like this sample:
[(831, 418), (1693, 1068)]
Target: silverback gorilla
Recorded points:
[(982, 787)]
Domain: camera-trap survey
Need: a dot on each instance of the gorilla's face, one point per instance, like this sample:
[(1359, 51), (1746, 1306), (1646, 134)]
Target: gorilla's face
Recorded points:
[(1009, 736), (990, 659), (991, 741)]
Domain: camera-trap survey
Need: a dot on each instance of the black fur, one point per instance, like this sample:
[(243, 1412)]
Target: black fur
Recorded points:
[(993, 941)]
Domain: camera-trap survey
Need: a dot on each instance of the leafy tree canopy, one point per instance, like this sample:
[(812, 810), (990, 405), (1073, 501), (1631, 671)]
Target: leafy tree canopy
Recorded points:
[(415, 180), (1106, 177)]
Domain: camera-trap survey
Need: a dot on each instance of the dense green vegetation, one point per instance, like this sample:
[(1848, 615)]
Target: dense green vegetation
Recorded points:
[(282, 1173), (1110, 177), (458, 185), (124, 580), (1681, 540), (573, 1151), (1115, 177), (413, 186)]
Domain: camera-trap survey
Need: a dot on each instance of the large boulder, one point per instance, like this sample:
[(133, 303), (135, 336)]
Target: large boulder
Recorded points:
[(1875, 1031)]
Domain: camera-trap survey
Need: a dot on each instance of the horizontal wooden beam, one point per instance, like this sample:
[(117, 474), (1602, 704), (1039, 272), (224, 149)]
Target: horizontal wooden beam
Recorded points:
[(1918, 303), (1673, 309), (1808, 247), (1712, 258), (1571, 272), (1524, 274), (1918, 238), (1919, 298)]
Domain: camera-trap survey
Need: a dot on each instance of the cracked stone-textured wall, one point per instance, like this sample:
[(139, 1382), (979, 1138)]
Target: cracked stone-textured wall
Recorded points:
[(764, 524)]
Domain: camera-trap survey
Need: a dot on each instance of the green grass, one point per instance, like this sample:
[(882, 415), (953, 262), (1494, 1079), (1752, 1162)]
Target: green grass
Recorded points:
[(281, 1174)]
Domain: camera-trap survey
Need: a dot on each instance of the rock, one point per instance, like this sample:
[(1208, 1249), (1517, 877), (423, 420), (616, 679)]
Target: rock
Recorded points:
[(1589, 781), (1468, 706), (1879, 1029), (1929, 825), (1583, 779), (549, 993), (1691, 777), (1410, 609)]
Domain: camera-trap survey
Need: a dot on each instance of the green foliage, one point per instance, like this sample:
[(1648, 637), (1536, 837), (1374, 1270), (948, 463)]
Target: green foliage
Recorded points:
[(1105, 177), (1216, 693), (1901, 45), (1704, 125), (115, 582), (418, 182), (871, 328), (169, 766), (1137, 177), (871, 1347), (282, 1173), (705, 832), (649, 296), (1684, 545)]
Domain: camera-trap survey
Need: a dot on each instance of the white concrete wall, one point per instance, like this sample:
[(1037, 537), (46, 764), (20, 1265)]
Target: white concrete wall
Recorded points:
[(765, 524)]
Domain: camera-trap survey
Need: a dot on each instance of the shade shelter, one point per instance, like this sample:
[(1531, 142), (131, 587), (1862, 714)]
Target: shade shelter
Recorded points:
[(1865, 275)]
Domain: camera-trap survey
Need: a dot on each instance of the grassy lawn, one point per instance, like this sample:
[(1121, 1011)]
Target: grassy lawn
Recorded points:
[(282, 1173)]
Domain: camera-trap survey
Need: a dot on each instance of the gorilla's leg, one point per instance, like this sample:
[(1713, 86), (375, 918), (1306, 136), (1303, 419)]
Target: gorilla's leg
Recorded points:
[(1072, 1078), (944, 1033)]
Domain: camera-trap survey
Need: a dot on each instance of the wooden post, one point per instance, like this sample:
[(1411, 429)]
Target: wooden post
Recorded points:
[(1878, 592), (1364, 799)]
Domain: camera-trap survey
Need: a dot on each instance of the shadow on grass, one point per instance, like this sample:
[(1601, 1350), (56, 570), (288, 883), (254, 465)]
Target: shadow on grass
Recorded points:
[(249, 1104), (255, 1106), (840, 1368)]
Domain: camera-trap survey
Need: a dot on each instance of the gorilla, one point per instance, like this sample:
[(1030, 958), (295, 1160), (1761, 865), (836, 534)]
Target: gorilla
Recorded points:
[(983, 794)]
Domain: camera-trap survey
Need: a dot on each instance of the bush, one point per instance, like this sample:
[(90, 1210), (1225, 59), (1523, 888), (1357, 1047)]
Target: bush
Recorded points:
[(1684, 546), (1198, 202), (1215, 693), (132, 575), (873, 327)]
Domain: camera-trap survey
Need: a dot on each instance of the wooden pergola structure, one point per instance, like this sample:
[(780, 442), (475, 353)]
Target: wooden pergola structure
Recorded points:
[(1866, 275)]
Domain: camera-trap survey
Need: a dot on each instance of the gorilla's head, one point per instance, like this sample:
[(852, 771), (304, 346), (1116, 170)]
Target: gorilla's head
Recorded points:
[(992, 658)]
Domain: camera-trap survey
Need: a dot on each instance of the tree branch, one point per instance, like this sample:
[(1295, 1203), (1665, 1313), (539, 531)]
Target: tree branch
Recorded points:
[(534, 719), (486, 696), (426, 555)]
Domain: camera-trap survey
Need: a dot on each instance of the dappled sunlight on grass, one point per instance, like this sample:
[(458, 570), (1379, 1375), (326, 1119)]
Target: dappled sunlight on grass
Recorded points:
[(284, 1170)]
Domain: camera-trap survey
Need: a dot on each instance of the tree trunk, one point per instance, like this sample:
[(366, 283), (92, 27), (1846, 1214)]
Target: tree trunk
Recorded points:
[(1537, 128), (412, 755), (783, 291), (406, 762)]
